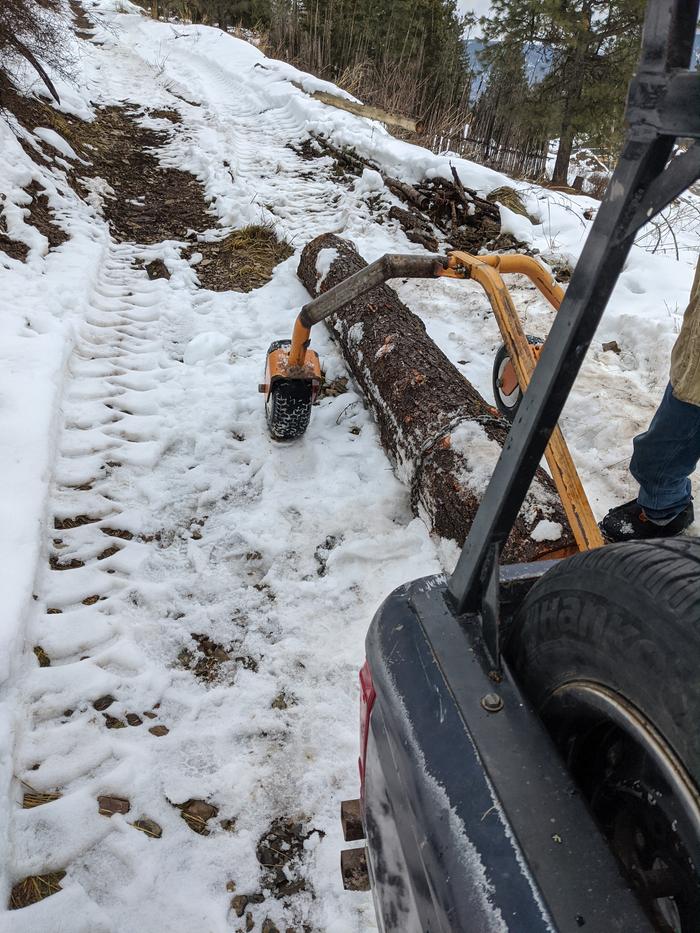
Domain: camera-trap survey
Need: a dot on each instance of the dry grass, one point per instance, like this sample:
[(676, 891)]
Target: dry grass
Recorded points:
[(242, 261), (35, 888), (509, 198), (34, 799)]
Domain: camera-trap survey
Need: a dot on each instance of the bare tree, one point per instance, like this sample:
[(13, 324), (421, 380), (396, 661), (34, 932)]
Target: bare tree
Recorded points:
[(34, 31)]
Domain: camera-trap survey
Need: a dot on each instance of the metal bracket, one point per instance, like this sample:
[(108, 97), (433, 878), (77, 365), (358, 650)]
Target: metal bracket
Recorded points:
[(491, 607)]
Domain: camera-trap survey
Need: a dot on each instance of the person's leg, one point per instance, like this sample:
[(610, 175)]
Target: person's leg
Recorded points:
[(664, 457)]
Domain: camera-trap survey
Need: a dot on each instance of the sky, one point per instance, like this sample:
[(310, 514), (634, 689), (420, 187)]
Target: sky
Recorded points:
[(479, 7)]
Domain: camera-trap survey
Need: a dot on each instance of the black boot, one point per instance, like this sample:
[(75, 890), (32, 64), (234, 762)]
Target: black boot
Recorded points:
[(629, 522)]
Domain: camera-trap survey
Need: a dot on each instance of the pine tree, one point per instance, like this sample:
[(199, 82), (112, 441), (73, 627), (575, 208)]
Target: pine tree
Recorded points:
[(594, 46)]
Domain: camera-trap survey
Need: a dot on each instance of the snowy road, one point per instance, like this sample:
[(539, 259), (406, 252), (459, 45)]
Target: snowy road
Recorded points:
[(201, 593)]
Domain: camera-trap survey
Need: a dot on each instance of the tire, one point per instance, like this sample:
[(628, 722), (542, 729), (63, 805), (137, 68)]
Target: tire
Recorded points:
[(607, 647), (507, 404), (288, 409)]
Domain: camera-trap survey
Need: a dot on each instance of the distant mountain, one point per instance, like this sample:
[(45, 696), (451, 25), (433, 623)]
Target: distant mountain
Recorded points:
[(538, 59)]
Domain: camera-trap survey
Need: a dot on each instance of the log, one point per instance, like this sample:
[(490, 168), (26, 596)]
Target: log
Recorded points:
[(363, 110), (441, 436)]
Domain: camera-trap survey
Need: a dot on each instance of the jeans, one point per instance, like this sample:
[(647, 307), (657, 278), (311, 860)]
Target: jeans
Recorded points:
[(664, 457)]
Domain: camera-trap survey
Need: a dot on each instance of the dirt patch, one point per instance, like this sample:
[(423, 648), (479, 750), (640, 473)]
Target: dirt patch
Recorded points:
[(38, 215), (212, 662), (206, 660), (332, 388), (65, 524), (108, 805), (12, 248), (322, 553), (157, 270), (41, 656), (41, 216), (148, 827), (83, 27), (280, 852), (117, 533), (171, 115), (143, 201), (35, 888), (197, 813), (241, 261)]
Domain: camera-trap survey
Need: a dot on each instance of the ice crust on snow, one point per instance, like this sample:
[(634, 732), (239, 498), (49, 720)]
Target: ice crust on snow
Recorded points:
[(192, 442)]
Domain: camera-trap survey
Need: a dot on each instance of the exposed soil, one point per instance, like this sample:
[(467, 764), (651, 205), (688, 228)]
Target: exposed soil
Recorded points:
[(207, 660), (197, 813), (83, 27), (279, 851), (109, 805), (13, 248), (41, 216), (148, 827), (142, 200)]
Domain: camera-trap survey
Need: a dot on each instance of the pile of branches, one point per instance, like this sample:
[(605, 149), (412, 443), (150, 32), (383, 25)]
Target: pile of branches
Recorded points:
[(466, 220), (34, 31)]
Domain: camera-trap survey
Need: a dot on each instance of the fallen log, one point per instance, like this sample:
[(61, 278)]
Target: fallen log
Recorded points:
[(441, 436), (364, 110)]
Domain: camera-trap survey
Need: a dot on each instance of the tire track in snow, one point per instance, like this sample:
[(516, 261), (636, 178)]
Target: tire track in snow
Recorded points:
[(276, 553)]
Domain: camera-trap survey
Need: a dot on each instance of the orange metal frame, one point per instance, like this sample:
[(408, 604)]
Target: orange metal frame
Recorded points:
[(486, 270), (296, 362)]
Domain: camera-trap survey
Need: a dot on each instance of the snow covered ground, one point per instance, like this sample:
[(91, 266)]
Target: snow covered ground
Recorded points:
[(131, 424)]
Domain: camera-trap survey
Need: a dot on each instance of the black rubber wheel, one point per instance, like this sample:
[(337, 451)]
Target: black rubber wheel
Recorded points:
[(507, 404), (288, 409), (607, 647)]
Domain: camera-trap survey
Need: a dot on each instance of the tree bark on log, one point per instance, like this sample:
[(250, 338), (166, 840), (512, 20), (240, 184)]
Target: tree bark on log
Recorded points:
[(441, 436)]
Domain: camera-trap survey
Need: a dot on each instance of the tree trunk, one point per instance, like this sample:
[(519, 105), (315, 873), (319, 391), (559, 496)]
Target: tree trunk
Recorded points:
[(572, 90), (560, 175), (441, 436), (155, 12)]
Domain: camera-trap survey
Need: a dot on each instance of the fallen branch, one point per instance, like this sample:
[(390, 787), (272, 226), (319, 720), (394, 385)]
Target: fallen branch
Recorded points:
[(363, 110)]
